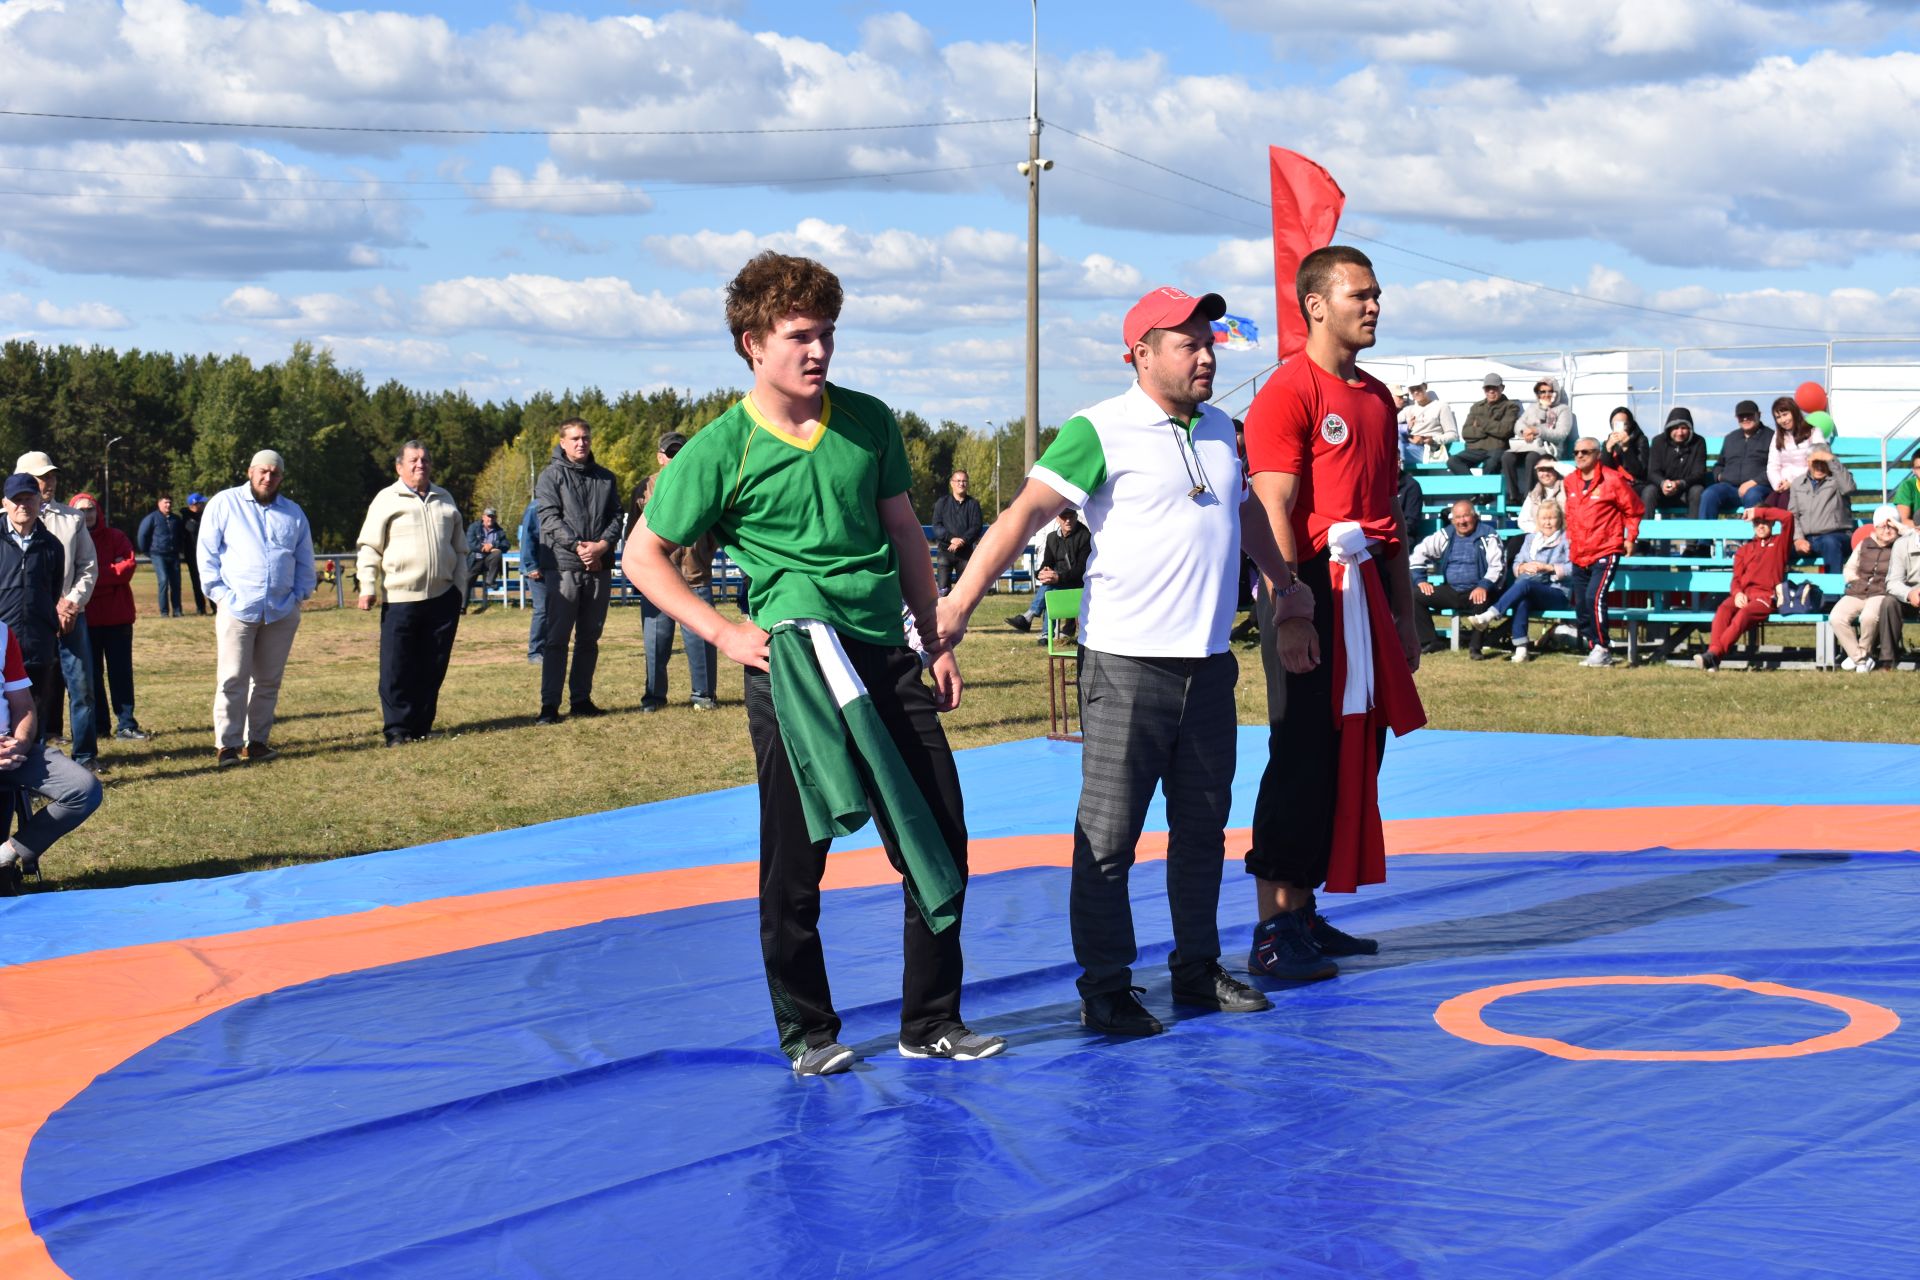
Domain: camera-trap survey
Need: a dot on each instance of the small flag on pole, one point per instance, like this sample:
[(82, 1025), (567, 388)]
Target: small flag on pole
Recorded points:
[(1236, 333)]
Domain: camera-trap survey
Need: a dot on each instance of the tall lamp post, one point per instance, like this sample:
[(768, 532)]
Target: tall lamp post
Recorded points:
[(106, 498), (1031, 168)]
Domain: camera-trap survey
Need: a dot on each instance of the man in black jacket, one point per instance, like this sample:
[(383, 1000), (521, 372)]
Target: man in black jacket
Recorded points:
[(32, 568), (1063, 564), (579, 523), (957, 526), (1676, 467), (1741, 478), (190, 526)]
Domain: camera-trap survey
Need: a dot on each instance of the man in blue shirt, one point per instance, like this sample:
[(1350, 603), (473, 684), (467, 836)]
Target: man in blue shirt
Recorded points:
[(160, 538), (535, 563), (256, 560)]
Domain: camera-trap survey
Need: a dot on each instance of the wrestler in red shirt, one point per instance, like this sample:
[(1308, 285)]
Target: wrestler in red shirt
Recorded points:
[(1322, 448)]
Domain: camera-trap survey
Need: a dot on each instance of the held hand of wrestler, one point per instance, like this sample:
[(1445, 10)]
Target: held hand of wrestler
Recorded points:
[(1299, 646), (745, 643), (366, 602), (946, 682), (953, 622)]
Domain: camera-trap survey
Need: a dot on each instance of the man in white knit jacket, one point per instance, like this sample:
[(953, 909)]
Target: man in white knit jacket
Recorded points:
[(414, 545)]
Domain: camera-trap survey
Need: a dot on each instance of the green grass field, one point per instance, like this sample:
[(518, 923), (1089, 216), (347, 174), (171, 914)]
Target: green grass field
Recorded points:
[(338, 790)]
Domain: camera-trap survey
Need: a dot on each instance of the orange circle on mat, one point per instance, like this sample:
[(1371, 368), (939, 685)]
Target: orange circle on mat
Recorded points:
[(1866, 1022)]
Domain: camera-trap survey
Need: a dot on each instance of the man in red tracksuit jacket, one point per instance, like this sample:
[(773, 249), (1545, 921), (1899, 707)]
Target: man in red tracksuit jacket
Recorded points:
[(1603, 519), (1758, 570)]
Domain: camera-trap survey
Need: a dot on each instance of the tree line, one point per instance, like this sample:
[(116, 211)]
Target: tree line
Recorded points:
[(180, 424)]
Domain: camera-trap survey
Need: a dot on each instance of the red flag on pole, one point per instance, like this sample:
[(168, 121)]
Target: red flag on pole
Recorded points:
[(1306, 208)]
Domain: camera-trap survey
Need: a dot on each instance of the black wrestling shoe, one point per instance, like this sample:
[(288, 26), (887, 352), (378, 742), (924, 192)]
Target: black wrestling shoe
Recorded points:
[(1221, 991), (1283, 948), (824, 1060), (1118, 1013), (1336, 942)]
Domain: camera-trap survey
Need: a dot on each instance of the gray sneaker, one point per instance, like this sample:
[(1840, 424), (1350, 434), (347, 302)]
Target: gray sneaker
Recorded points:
[(959, 1044), (1598, 656), (826, 1060)]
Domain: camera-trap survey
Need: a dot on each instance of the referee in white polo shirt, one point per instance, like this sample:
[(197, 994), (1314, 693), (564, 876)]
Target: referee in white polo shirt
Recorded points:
[(1159, 483)]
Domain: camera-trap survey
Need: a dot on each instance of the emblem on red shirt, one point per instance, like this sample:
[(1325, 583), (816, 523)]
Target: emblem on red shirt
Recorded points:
[(1333, 429)]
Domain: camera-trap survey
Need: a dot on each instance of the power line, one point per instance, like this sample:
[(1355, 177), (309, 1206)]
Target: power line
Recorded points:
[(1588, 298), (426, 130), (508, 191)]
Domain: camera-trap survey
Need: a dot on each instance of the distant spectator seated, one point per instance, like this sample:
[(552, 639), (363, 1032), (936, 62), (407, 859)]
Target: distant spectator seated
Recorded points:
[(1411, 500), (1625, 448), (1489, 429), (1741, 478), (1540, 572), (1867, 611), (71, 792), (1903, 571), (1791, 449), (1759, 568), (1467, 556), (1544, 431), (1822, 504), (1547, 487), (1906, 498), (1431, 428), (1063, 564), (1676, 467), (957, 526), (487, 544)]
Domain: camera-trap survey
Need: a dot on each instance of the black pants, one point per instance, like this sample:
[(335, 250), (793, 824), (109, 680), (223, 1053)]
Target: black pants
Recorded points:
[(1688, 499), (48, 694), (1293, 814), (948, 566), (416, 639), (791, 865), (576, 612), (193, 573), (1463, 462), (1443, 597), (112, 661)]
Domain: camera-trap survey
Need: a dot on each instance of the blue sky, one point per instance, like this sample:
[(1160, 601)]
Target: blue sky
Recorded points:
[(1741, 162)]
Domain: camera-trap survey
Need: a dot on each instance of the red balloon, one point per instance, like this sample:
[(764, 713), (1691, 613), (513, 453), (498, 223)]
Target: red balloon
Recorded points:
[(1811, 397)]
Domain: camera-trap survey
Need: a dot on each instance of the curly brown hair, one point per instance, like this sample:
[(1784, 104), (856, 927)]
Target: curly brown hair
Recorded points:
[(771, 287)]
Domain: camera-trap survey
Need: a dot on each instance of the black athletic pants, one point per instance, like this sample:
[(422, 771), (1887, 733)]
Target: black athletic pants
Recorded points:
[(1293, 814), (791, 865)]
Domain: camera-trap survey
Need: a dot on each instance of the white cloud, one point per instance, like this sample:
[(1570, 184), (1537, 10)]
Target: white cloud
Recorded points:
[(17, 308), (189, 209), (312, 312), (599, 308), (1569, 41), (548, 190)]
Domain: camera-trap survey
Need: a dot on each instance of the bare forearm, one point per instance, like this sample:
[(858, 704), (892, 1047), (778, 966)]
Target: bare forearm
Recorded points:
[(648, 567), (1256, 536)]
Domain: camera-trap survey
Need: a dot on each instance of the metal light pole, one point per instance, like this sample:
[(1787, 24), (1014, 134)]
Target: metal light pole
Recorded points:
[(106, 504), (995, 432), (1031, 168)]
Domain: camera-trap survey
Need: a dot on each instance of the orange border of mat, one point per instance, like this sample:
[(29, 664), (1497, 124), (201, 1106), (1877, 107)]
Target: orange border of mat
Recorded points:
[(69, 1019), (1464, 1016)]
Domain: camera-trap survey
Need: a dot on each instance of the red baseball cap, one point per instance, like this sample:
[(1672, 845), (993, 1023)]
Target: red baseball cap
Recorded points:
[(1164, 308)]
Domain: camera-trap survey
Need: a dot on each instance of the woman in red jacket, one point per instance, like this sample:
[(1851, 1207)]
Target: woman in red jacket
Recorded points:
[(110, 616), (1758, 570)]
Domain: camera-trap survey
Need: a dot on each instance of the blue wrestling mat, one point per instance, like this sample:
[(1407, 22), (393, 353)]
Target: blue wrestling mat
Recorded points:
[(1575, 1061)]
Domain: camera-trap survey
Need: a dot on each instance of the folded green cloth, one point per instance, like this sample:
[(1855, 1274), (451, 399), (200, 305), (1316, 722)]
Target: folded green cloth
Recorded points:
[(841, 755)]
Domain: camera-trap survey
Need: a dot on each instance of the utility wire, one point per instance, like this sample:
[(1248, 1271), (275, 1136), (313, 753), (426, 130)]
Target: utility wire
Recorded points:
[(1481, 271), (508, 133), (508, 191)]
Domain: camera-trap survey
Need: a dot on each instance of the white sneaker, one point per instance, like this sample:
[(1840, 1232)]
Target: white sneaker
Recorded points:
[(1562, 631), (1846, 664), (1865, 666), (1601, 656), (1519, 653), (1482, 621)]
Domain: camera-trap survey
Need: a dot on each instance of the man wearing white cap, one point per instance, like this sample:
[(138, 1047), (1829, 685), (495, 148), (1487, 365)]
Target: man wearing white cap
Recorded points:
[(1869, 611), (76, 589), (1157, 476), (256, 559)]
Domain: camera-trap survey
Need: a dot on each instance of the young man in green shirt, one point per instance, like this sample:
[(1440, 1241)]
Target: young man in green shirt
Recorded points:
[(805, 486)]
